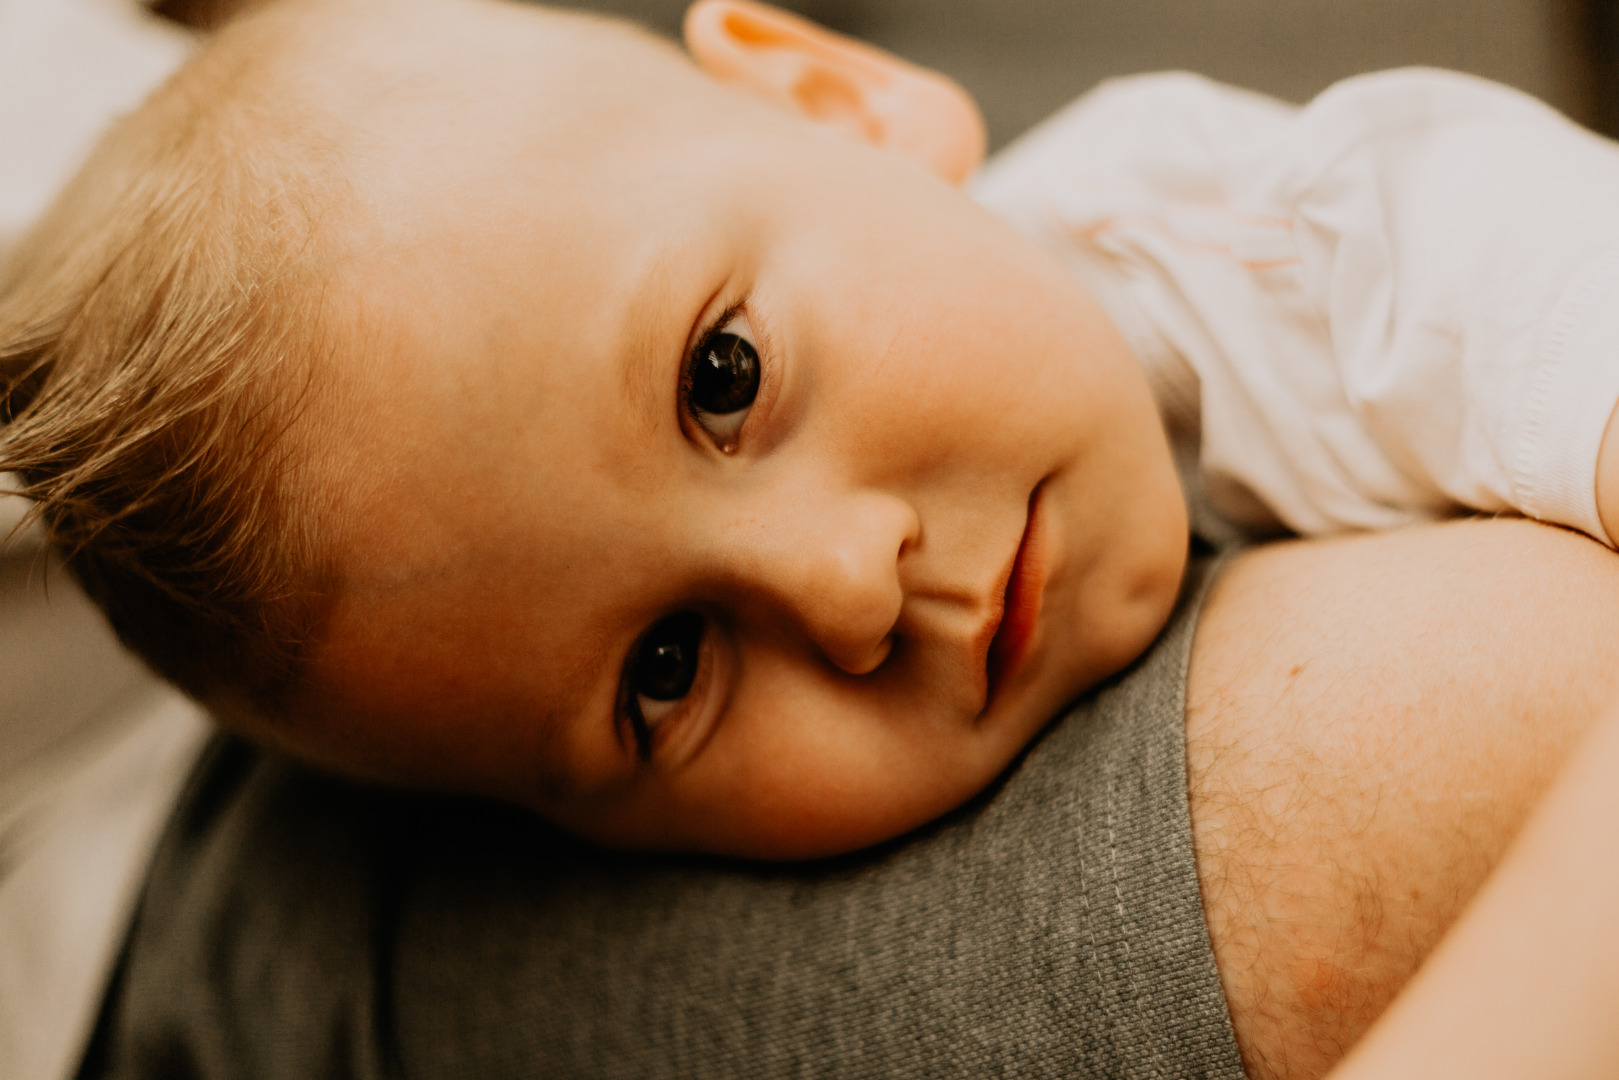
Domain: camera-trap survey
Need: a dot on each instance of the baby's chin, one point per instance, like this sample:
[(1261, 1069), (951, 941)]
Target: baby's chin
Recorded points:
[(863, 822)]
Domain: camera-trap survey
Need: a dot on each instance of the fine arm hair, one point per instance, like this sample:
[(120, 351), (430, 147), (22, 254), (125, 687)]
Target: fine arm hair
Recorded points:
[(1369, 721), (157, 333)]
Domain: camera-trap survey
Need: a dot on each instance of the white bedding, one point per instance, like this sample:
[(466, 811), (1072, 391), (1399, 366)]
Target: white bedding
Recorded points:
[(92, 747)]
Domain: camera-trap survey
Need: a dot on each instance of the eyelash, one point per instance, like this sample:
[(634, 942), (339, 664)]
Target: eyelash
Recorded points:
[(629, 711), (628, 705)]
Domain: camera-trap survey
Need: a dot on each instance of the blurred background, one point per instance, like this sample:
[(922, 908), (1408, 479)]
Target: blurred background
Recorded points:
[(1024, 58)]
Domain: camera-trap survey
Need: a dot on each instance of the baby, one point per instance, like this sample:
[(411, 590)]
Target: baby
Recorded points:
[(472, 396)]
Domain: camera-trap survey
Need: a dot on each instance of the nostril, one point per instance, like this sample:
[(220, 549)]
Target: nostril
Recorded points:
[(840, 578), (865, 660)]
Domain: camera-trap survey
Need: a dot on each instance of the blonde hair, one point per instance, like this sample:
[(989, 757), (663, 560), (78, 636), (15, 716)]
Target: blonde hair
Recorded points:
[(158, 336)]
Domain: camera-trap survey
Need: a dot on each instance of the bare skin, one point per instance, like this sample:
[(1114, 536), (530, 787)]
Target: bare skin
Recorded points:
[(1369, 723), (1527, 982)]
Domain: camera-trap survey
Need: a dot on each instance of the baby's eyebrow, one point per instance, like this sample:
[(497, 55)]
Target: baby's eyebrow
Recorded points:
[(554, 776), (555, 779), (578, 677), (652, 332)]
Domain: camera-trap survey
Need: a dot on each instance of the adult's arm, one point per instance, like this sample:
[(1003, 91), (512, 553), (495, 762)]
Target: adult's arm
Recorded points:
[(1369, 722), (1527, 983)]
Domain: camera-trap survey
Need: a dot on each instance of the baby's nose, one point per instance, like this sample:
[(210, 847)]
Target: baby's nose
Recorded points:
[(841, 577), (852, 604)]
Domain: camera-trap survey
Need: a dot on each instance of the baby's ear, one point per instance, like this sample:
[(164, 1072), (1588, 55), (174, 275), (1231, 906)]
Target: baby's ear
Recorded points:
[(856, 89)]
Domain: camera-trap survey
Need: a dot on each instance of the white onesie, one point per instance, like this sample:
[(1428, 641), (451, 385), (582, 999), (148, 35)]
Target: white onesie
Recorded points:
[(1394, 304)]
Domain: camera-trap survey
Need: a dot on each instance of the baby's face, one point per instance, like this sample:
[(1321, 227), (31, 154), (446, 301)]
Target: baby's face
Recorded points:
[(687, 455)]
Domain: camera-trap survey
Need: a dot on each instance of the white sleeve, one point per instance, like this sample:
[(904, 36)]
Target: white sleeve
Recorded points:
[(1460, 243), (1393, 304)]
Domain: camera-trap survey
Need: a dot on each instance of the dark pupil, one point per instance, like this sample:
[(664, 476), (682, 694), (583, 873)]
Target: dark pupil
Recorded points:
[(725, 377), (666, 662)]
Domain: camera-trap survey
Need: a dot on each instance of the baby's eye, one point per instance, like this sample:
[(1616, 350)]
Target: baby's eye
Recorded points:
[(662, 667), (722, 380)]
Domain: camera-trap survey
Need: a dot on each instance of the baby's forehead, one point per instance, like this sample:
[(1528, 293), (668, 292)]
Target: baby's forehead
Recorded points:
[(365, 61), (399, 103)]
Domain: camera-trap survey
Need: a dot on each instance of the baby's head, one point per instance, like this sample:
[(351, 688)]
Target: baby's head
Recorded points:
[(466, 395)]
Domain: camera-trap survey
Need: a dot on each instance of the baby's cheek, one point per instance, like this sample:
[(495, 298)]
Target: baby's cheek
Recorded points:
[(834, 787)]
